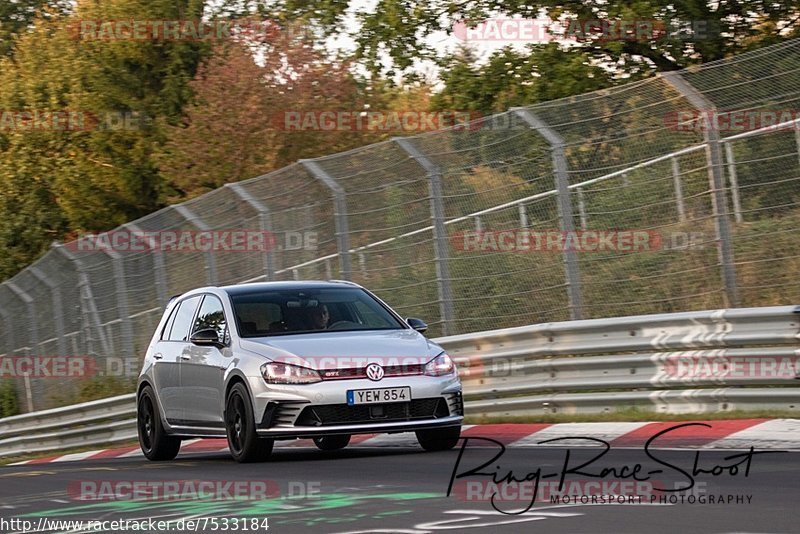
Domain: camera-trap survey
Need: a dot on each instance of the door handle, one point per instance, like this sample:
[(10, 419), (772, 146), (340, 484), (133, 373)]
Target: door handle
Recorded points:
[(157, 356), (185, 357)]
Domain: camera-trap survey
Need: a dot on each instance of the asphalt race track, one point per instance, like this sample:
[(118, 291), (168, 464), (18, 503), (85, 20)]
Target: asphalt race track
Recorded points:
[(402, 489)]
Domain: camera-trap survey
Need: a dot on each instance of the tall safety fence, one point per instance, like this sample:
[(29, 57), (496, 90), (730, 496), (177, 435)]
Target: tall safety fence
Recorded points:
[(680, 192)]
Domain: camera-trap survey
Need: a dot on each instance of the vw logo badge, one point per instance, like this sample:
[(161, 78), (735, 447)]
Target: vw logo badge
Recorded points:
[(374, 372)]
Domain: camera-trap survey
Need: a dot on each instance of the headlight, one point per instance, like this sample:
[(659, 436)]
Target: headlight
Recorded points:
[(440, 366), (284, 373)]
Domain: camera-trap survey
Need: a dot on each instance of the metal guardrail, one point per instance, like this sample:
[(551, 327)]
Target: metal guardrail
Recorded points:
[(90, 424), (573, 367)]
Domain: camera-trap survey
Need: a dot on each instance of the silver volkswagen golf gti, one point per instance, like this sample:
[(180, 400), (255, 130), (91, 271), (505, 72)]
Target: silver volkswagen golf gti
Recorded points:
[(284, 360)]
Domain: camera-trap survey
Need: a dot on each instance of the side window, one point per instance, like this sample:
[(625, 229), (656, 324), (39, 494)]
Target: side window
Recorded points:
[(170, 321), (183, 319), (211, 315)]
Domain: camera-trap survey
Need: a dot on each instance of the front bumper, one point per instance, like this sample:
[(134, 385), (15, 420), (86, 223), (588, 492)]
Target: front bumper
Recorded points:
[(321, 409), (371, 428)]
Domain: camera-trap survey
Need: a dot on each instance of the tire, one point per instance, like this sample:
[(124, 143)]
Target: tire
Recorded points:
[(154, 441), (332, 443), (439, 439), (240, 425)]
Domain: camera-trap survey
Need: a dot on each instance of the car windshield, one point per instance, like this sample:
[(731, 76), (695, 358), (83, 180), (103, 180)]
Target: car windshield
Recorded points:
[(302, 311)]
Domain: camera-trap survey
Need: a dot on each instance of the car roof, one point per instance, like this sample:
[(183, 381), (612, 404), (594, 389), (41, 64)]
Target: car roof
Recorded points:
[(240, 289)]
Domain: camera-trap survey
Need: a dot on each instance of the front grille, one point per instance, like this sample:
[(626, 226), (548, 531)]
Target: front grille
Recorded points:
[(340, 414), (350, 373)]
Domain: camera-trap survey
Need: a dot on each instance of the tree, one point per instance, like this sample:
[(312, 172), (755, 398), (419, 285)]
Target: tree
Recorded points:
[(54, 184), (393, 33), (237, 128), (17, 15), (715, 29), (515, 78), (9, 404)]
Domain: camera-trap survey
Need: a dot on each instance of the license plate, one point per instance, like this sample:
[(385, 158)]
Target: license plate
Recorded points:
[(378, 396)]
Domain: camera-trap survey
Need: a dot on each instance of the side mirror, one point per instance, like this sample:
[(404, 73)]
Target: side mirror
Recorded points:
[(206, 337), (417, 324)]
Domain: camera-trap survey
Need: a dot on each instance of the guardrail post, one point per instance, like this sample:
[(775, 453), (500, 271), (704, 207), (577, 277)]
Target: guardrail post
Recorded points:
[(676, 180), (264, 223), (560, 167), (88, 305), (339, 213), (716, 177), (737, 207), (159, 270), (197, 222), (441, 252), (58, 307)]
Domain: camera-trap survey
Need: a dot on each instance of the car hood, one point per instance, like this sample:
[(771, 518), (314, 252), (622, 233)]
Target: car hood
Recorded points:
[(326, 350)]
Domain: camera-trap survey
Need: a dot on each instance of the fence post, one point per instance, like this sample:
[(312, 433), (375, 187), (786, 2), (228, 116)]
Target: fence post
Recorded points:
[(88, 305), (561, 169), (264, 222), (197, 222), (797, 140), (159, 270), (676, 179), (58, 307), (441, 252), (339, 213), (10, 346), (582, 209), (737, 207), (32, 347), (523, 216), (33, 331), (8, 331), (121, 287), (716, 177)]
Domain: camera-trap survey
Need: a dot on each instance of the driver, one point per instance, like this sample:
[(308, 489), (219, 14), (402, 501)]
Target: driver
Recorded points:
[(319, 317)]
